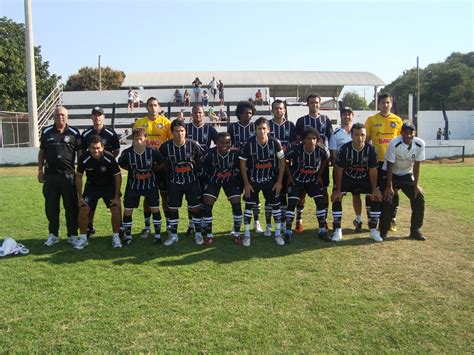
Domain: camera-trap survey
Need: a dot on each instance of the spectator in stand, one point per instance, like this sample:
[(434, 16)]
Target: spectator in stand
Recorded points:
[(222, 116), (212, 117), (187, 98), (220, 88), (213, 88), (180, 115), (136, 99), (130, 96), (205, 98), (178, 98), (259, 97), (439, 134), (197, 88)]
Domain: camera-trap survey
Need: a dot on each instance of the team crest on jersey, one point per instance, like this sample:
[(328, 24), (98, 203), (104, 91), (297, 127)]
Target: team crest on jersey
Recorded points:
[(104, 141), (393, 124), (204, 136), (413, 157), (67, 139), (148, 162), (287, 133), (159, 125), (271, 151), (364, 159), (103, 169)]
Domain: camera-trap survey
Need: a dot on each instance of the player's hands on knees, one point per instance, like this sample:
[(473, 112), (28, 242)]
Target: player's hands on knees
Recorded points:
[(336, 196), (277, 187), (248, 189), (82, 203), (40, 177), (376, 195), (419, 191), (115, 202), (388, 194)]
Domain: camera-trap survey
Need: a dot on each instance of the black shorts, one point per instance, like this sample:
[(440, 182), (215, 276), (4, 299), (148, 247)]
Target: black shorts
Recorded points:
[(192, 192), (311, 188), (161, 180), (399, 181), (231, 189), (132, 198), (325, 177), (271, 199), (381, 175), (284, 185), (93, 193), (354, 186)]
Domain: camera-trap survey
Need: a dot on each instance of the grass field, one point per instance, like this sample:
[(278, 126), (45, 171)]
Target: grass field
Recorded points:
[(357, 296)]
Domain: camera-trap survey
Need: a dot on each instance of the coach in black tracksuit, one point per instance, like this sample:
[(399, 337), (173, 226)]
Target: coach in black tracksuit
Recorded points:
[(58, 146)]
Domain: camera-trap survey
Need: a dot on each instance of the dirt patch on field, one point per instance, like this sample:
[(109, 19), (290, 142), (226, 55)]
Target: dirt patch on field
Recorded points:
[(453, 160)]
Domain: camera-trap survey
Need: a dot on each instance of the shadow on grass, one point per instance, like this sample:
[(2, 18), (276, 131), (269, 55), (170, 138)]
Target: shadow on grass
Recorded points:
[(185, 252)]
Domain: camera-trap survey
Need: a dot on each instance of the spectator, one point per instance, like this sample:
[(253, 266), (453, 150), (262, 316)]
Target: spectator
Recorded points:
[(212, 116), (213, 88), (220, 88), (187, 98), (205, 98), (130, 100), (136, 99), (222, 116), (259, 97), (180, 115), (178, 98), (197, 88), (439, 134)]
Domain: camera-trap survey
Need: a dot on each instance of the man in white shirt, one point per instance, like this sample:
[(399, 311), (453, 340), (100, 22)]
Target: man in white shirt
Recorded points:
[(402, 163)]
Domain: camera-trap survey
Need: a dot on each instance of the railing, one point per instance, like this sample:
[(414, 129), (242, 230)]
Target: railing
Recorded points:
[(46, 109)]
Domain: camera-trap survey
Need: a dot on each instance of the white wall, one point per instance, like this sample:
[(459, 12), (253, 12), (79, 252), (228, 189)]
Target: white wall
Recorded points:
[(18, 156), (461, 124)]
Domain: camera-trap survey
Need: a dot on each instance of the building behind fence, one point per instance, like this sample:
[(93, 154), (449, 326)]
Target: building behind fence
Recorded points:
[(13, 129)]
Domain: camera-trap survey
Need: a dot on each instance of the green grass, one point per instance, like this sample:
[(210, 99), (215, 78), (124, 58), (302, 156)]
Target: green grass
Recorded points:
[(310, 296)]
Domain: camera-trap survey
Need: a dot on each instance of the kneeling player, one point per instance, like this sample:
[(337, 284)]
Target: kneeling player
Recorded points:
[(221, 165), (103, 181), (356, 172), (141, 162), (307, 162)]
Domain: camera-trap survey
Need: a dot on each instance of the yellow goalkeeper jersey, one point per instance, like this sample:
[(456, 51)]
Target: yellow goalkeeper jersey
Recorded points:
[(382, 130), (158, 130)]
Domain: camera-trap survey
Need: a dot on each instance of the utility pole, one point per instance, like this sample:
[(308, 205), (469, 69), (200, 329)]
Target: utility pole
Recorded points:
[(100, 76), (31, 77), (417, 91)]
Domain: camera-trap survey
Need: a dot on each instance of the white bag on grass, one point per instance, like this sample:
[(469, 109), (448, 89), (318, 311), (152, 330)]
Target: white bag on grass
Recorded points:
[(11, 247)]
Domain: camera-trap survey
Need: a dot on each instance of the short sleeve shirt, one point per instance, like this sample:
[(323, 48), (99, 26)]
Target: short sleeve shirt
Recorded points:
[(403, 156), (158, 130), (382, 130)]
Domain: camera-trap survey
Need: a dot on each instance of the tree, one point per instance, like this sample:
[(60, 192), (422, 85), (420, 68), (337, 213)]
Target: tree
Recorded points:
[(13, 88), (354, 100), (451, 82), (88, 79)]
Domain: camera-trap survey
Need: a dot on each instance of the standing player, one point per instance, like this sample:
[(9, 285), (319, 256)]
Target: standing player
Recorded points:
[(111, 143), (157, 128), (141, 163), (339, 137), (103, 181), (262, 165), (182, 158), (356, 172), (381, 129), (307, 162), (221, 167), (240, 132), (402, 165), (323, 125), (284, 131)]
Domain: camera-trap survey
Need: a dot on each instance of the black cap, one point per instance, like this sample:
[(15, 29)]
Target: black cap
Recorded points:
[(97, 111), (408, 125), (347, 108)]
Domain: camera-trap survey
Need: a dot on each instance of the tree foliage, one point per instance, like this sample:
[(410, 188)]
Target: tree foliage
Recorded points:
[(13, 87), (451, 81), (88, 79), (354, 100)]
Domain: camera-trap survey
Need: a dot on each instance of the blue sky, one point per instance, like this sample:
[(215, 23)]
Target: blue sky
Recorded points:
[(382, 37)]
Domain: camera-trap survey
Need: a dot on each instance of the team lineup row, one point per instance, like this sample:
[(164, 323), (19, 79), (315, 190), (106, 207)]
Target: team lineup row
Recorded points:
[(282, 160)]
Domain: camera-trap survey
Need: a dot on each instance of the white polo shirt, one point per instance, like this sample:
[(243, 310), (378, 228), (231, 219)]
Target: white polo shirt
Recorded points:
[(338, 138), (404, 156)]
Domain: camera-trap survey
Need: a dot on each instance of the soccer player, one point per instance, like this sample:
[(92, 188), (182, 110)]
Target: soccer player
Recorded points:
[(284, 131), (221, 167), (103, 181), (339, 137), (157, 128), (111, 143), (402, 165), (323, 125), (57, 154), (262, 165), (141, 162), (306, 162), (182, 159), (240, 132), (381, 129), (356, 172)]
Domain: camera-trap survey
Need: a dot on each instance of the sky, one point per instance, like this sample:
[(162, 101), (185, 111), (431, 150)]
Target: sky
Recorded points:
[(381, 37)]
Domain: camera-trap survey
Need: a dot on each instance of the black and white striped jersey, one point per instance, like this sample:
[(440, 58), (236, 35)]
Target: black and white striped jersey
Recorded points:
[(182, 162), (262, 160), (356, 163), (204, 135), (107, 135), (99, 172), (285, 132), (221, 169), (141, 167), (240, 134), (322, 124), (305, 166)]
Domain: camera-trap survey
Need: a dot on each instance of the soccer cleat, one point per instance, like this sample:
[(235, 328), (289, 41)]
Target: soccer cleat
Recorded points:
[(145, 233), (383, 235), (72, 240), (199, 240), (288, 237), (81, 243), (190, 231), (279, 240), (116, 243), (323, 235), (238, 239), (337, 236), (171, 240), (417, 235), (393, 225), (157, 239), (52, 239), (299, 226), (90, 232), (357, 225), (257, 227), (208, 240), (127, 241), (268, 231), (246, 241), (374, 234)]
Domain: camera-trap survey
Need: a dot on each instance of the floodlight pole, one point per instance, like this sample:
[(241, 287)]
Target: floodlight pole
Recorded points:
[(100, 76), (31, 77), (415, 121)]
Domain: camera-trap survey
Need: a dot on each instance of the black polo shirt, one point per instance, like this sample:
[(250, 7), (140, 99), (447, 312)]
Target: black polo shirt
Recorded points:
[(60, 149), (107, 135), (99, 172)]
